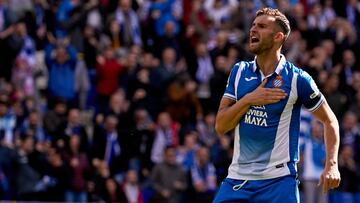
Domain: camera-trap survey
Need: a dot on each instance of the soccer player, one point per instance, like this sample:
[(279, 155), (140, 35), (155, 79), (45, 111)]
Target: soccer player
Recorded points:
[(262, 101)]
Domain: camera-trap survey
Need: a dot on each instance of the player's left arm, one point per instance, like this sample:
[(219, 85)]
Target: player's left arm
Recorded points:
[(315, 102), (330, 177)]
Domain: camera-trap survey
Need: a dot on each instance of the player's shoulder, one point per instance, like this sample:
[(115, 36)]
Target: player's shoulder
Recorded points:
[(243, 65), (297, 70)]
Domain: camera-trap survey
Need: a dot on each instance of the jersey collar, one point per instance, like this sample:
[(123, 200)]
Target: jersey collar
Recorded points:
[(279, 67)]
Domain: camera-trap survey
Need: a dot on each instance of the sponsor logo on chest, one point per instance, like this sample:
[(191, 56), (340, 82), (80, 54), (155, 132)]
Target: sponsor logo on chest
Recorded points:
[(256, 115)]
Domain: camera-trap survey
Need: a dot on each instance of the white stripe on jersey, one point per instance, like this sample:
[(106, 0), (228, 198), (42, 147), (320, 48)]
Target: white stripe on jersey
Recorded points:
[(281, 151), (238, 76)]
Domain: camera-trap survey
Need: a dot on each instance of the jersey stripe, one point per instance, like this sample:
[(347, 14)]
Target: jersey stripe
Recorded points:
[(238, 76), (281, 145)]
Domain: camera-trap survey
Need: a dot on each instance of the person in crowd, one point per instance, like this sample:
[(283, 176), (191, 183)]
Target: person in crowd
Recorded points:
[(7, 122), (112, 192), (349, 185), (33, 125), (54, 118), (61, 60), (186, 153), (77, 171), (203, 176), (128, 21), (168, 179), (314, 158), (166, 134), (73, 126), (108, 70), (107, 144), (131, 188)]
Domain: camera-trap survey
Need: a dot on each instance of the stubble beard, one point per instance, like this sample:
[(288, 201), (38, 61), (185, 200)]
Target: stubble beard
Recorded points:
[(261, 48)]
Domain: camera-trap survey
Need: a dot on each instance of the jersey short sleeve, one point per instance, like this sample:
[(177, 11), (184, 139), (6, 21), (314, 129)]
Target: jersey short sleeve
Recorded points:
[(308, 92), (230, 90)]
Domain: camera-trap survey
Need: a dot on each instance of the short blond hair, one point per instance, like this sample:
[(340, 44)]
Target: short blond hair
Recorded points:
[(280, 19)]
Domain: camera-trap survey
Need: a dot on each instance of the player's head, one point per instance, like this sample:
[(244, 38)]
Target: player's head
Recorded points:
[(269, 30)]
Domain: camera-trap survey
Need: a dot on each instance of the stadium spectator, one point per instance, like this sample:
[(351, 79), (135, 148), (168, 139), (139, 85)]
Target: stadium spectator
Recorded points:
[(186, 153), (73, 126), (206, 130), (164, 12), (168, 179), (61, 62), (10, 46), (54, 118), (218, 81), (113, 192), (77, 167), (355, 106), (182, 103), (347, 70), (203, 176), (166, 134), (56, 171), (350, 129), (128, 21), (96, 186), (336, 99), (107, 144), (145, 86), (7, 122), (140, 142), (221, 156), (314, 159), (132, 190), (108, 70), (203, 72), (220, 11), (349, 184), (33, 125)]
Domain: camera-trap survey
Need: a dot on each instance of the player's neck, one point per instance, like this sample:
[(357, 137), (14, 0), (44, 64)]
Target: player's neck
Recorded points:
[(267, 62)]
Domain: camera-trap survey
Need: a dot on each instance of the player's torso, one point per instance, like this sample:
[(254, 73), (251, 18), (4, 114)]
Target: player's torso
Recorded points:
[(259, 127), (264, 115)]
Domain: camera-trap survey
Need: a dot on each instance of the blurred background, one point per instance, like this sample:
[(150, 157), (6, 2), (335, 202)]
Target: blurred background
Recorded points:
[(115, 100)]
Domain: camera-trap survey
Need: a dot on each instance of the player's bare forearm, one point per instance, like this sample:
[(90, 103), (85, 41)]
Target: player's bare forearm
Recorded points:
[(332, 140), (229, 114), (330, 178), (331, 132)]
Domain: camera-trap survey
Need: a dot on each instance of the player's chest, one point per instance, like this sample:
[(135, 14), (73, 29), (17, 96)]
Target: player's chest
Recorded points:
[(249, 83)]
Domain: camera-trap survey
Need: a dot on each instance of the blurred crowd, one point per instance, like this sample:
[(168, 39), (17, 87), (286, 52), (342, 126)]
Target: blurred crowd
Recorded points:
[(115, 100)]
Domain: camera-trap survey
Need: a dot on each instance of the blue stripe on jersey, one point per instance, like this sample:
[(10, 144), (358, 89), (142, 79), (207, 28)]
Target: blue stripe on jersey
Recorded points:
[(294, 136)]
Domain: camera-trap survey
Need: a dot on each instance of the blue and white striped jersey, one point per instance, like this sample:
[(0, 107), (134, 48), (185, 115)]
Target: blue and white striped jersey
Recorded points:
[(266, 138)]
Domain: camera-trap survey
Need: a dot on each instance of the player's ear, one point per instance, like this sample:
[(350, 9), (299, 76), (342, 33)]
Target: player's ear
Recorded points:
[(279, 37)]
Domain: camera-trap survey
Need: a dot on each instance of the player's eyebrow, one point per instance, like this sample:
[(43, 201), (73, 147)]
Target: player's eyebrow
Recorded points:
[(260, 24)]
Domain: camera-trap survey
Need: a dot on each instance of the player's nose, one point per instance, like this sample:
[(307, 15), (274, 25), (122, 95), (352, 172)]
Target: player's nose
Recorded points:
[(253, 29)]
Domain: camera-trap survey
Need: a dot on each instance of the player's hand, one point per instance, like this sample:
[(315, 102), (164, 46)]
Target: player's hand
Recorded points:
[(330, 178), (262, 95)]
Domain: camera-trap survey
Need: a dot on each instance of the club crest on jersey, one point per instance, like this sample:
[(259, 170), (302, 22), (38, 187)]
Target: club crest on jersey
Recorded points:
[(278, 82)]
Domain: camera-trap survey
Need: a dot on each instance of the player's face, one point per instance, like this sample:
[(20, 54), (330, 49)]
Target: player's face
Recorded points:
[(262, 34)]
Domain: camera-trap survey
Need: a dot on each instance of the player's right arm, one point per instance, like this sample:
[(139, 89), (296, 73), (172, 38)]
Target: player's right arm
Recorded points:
[(230, 111), (229, 114)]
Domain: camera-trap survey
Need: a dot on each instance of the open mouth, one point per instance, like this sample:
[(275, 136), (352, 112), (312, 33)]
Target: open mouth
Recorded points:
[(254, 39)]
